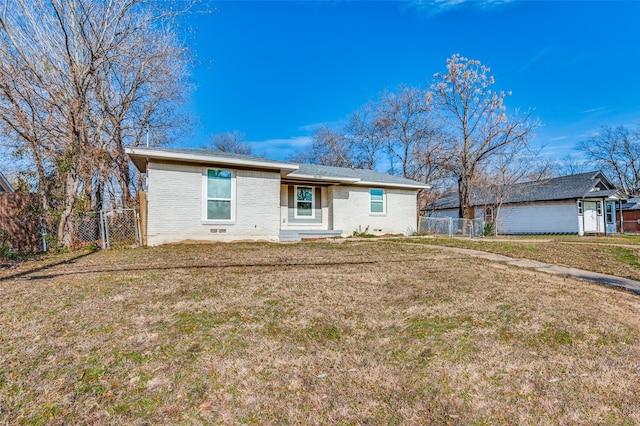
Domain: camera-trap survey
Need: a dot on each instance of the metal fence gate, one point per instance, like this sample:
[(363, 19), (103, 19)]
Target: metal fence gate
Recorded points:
[(451, 226)]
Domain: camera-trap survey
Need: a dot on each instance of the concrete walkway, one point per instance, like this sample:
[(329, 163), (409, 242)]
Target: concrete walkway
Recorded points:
[(609, 280)]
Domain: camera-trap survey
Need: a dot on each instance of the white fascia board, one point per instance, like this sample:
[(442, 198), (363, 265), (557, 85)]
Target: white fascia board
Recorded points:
[(395, 185), (208, 159), (617, 196), (322, 178)]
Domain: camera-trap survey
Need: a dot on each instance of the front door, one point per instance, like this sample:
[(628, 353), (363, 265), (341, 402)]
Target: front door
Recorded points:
[(590, 217)]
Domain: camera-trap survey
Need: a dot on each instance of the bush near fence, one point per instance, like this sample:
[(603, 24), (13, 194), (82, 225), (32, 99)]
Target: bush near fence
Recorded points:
[(20, 223)]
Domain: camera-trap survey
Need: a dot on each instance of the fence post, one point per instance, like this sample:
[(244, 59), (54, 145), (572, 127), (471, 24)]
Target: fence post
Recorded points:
[(138, 231), (450, 227), (104, 230), (43, 232)]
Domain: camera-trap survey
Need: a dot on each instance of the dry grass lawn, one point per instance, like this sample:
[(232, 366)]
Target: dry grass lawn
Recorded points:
[(618, 256), (313, 333)]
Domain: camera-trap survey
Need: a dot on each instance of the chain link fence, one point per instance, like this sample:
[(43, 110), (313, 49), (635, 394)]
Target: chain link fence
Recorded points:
[(451, 226), (103, 228)]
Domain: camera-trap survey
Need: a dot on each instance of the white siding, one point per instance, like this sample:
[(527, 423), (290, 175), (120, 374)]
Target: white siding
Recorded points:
[(176, 202), (539, 218), (350, 211)]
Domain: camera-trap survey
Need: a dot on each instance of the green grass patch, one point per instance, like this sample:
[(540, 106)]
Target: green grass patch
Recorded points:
[(195, 322)]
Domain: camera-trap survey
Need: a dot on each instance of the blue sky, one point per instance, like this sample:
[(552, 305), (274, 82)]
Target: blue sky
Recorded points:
[(276, 70)]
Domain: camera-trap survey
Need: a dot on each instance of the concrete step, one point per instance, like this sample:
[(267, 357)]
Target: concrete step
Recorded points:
[(298, 235)]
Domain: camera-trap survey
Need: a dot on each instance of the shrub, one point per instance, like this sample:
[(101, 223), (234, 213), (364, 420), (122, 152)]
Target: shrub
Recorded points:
[(362, 234), (489, 228), (6, 250)]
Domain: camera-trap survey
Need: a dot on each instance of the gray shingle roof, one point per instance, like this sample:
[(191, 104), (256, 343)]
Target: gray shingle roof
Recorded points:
[(348, 173), (583, 185), (304, 171), (632, 204)]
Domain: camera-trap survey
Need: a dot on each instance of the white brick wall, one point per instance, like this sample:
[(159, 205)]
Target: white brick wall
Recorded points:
[(175, 205), (351, 211)]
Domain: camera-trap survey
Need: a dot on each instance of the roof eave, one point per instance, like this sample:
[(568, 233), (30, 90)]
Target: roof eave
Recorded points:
[(318, 178), (394, 185), (139, 156)]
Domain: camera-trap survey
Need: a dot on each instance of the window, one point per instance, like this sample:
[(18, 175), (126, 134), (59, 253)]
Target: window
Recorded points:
[(580, 209), (304, 202), (609, 209), (488, 214), (376, 201), (599, 208), (219, 193)]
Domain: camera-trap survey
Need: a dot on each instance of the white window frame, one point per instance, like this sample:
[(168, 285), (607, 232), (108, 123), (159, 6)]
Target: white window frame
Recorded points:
[(599, 208), (384, 202), (296, 201), (580, 208), (205, 197)]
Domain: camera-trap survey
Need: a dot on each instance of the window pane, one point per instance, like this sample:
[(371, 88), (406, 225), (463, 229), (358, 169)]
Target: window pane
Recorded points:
[(219, 210), (304, 194), (305, 209), (376, 207), (376, 194), (218, 184)]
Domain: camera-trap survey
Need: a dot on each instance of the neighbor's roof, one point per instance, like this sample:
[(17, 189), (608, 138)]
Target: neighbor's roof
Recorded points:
[(289, 171), (5, 186), (584, 185), (632, 204)]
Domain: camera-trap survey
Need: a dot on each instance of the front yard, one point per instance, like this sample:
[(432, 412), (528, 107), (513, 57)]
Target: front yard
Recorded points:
[(359, 332), (619, 255)]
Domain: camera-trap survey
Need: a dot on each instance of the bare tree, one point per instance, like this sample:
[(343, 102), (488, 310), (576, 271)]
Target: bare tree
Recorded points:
[(329, 148), (416, 149), (396, 131), (79, 80), (616, 150), (571, 165), (365, 136), (476, 118), (229, 142)]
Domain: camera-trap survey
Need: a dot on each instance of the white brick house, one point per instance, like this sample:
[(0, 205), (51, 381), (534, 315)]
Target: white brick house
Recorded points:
[(216, 196)]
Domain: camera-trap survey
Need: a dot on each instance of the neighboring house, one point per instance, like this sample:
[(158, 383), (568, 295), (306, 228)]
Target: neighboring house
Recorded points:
[(211, 195), (5, 186), (585, 203), (631, 215)]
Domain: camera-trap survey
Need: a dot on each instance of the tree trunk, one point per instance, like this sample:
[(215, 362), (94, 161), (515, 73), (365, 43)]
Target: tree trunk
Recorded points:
[(464, 197), (65, 227)]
